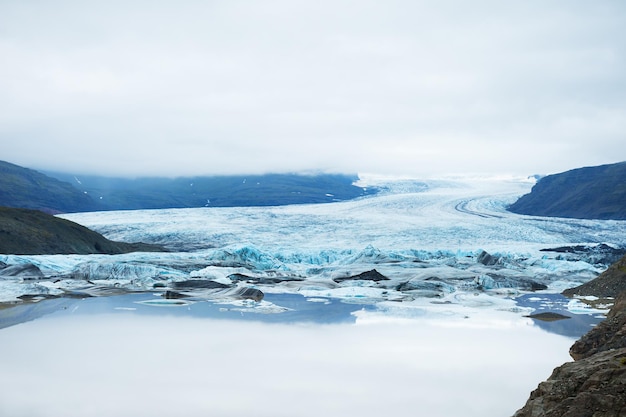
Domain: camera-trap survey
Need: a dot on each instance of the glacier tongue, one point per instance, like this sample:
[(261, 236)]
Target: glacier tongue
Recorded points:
[(430, 240)]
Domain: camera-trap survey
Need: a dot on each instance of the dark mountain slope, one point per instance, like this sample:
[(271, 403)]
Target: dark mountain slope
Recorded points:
[(32, 232), (26, 188), (215, 191), (63, 193), (585, 193)]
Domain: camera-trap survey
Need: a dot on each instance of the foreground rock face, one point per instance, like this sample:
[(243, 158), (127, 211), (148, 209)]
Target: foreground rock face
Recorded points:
[(591, 387), (594, 385), (610, 334)]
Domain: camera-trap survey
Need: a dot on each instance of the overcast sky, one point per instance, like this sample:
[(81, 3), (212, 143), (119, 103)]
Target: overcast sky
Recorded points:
[(414, 88)]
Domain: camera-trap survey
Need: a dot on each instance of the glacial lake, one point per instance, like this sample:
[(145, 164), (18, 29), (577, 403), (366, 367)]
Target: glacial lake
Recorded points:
[(138, 355)]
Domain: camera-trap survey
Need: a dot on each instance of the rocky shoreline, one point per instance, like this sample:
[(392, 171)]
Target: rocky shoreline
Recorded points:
[(594, 384)]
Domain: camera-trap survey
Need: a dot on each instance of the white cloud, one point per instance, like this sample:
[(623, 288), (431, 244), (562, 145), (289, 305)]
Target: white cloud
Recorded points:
[(401, 87)]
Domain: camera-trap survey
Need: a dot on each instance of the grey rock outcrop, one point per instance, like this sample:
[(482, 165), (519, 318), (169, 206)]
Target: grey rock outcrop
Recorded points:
[(24, 271), (487, 259), (608, 335), (608, 284), (372, 275), (591, 387)]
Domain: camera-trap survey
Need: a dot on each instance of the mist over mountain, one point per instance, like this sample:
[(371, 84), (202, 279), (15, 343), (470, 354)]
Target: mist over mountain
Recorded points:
[(27, 195), (54, 192), (26, 188), (214, 191), (585, 193)]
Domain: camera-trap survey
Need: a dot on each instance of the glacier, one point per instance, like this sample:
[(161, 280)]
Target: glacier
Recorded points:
[(434, 242)]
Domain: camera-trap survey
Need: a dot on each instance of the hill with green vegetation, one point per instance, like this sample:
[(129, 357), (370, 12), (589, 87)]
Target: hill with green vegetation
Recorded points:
[(26, 188), (33, 232), (585, 193)]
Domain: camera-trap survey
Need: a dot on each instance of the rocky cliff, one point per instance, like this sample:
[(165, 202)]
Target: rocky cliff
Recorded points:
[(594, 385)]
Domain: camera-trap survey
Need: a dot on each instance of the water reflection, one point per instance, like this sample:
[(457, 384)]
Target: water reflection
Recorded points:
[(290, 308), (113, 356), (574, 326)]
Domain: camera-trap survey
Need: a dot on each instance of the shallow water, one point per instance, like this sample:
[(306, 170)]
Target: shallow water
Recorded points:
[(116, 356)]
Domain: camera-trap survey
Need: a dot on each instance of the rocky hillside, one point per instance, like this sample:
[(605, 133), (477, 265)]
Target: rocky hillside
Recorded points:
[(25, 188), (32, 232), (585, 193), (608, 284), (594, 385)]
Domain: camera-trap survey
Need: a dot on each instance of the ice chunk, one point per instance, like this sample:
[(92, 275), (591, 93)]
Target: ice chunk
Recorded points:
[(430, 238)]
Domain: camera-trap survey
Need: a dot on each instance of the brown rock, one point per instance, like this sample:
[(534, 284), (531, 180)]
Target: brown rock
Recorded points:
[(591, 387), (594, 385), (610, 283), (609, 334)]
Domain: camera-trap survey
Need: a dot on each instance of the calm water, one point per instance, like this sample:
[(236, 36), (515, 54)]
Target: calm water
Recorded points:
[(116, 356)]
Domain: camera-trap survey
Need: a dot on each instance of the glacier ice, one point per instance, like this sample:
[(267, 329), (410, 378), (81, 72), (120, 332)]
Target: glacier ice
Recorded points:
[(433, 240)]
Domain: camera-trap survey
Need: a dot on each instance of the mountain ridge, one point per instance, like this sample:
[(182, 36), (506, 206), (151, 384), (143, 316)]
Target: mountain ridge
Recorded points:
[(215, 191), (597, 192), (55, 193), (27, 188)]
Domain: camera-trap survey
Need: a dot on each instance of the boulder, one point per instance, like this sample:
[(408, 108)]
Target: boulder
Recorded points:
[(494, 281), (372, 275), (548, 316), (193, 284), (247, 293), (429, 287), (262, 280), (24, 271), (487, 259), (173, 295)]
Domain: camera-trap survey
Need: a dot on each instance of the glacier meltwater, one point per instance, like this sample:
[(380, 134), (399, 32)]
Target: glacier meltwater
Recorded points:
[(413, 243)]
